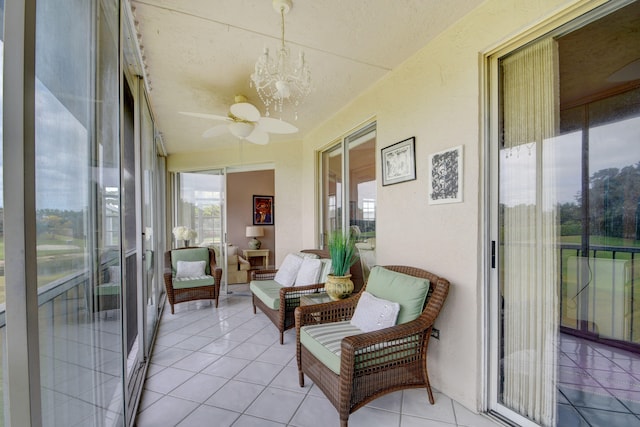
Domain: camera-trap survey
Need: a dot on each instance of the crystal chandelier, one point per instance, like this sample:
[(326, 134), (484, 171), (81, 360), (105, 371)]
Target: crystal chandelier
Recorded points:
[(280, 80)]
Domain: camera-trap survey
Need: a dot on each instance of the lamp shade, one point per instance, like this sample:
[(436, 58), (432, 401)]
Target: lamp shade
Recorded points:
[(253, 231)]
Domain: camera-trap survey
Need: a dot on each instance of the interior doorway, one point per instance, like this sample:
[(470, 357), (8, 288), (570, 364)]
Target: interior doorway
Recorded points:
[(246, 190)]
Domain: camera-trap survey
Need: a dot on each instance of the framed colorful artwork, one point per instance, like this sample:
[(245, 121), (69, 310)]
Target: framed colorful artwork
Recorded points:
[(262, 210)]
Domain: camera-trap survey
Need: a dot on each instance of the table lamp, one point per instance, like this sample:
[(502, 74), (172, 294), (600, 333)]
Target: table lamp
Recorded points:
[(253, 231)]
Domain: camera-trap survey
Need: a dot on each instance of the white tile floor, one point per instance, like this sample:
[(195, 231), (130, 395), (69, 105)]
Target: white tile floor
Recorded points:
[(225, 367)]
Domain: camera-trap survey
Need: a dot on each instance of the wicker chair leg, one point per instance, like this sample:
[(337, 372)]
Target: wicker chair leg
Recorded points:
[(431, 399), (254, 308), (172, 309), (344, 423), (281, 337), (301, 378)]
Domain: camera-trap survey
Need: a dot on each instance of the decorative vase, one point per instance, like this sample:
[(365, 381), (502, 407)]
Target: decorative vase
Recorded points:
[(186, 244), (338, 287)]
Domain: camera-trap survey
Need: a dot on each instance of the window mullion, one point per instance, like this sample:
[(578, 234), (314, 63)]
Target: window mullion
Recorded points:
[(22, 332)]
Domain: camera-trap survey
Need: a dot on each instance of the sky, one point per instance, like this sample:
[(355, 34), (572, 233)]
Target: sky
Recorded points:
[(1, 126), (613, 145), (62, 174)]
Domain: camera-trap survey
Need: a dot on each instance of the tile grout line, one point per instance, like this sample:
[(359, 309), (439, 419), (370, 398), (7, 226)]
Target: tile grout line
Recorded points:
[(199, 404), (455, 415), (251, 323)]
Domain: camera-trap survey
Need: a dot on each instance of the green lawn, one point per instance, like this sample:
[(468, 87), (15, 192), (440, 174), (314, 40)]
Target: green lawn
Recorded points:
[(602, 241), (47, 256)]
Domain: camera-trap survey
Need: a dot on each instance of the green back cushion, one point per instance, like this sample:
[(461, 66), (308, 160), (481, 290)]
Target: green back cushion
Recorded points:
[(409, 291), (195, 254)]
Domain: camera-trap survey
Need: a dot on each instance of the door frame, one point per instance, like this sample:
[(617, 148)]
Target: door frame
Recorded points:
[(558, 23)]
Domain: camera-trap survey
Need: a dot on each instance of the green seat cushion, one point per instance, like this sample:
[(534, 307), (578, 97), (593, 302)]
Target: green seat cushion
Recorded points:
[(268, 291), (190, 255), (186, 283), (108, 289), (323, 341), (409, 291)]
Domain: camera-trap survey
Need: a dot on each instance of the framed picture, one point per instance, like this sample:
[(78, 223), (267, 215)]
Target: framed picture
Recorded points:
[(399, 162), (262, 210), (445, 176)]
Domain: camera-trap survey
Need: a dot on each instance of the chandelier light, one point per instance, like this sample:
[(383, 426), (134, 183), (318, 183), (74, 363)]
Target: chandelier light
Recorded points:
[(280, 80)]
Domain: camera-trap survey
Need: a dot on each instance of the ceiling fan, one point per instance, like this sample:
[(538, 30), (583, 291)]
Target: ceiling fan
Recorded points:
[(244, 122)]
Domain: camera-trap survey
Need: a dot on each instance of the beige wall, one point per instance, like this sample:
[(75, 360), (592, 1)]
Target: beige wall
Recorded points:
[(435, 96)]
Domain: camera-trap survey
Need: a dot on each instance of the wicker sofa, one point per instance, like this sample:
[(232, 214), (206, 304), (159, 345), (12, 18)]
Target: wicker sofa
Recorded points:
[(279, 302), (353, 367)]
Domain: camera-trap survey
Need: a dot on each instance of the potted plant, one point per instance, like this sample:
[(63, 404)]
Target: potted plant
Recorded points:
[(342, 250)]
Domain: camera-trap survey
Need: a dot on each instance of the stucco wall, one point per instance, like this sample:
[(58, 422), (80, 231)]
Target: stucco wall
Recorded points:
[(436, 97)]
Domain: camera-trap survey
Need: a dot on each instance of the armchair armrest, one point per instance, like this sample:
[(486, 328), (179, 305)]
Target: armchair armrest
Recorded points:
[(243, 264), (263, 274), (217, 275), (290, 296), (328, 312)]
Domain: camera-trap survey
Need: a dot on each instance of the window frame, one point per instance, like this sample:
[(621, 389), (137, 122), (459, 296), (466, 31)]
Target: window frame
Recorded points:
[(342, 145)]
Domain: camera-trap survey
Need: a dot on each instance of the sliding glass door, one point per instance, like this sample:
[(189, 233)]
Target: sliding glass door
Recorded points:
[(152, 204), (199, 203), (566, 236), (81, 158), (348, 191), (78, 205)]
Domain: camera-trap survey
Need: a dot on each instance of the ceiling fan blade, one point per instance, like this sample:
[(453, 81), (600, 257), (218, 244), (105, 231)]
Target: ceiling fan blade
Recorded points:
[(215, 131), (205, 116), (258, 137), (271, 125), (245, 111)]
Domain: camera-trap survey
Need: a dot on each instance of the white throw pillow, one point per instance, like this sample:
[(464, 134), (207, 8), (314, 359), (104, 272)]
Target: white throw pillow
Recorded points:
[(373, 313), (190, 269), (309, 272), (288, 271)]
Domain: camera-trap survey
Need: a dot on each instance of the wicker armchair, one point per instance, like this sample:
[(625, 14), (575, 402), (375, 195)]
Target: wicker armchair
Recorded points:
[(374, 363), (283, 318), (205, 287)]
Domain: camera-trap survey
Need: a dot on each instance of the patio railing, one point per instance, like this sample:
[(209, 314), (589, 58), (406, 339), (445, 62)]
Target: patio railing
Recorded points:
[(598, 297)]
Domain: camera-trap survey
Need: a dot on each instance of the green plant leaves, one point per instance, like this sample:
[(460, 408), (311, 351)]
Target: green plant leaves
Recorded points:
[(342, 250)]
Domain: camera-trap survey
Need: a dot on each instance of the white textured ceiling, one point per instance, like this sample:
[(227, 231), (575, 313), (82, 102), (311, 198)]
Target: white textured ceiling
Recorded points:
[(199, 54)]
